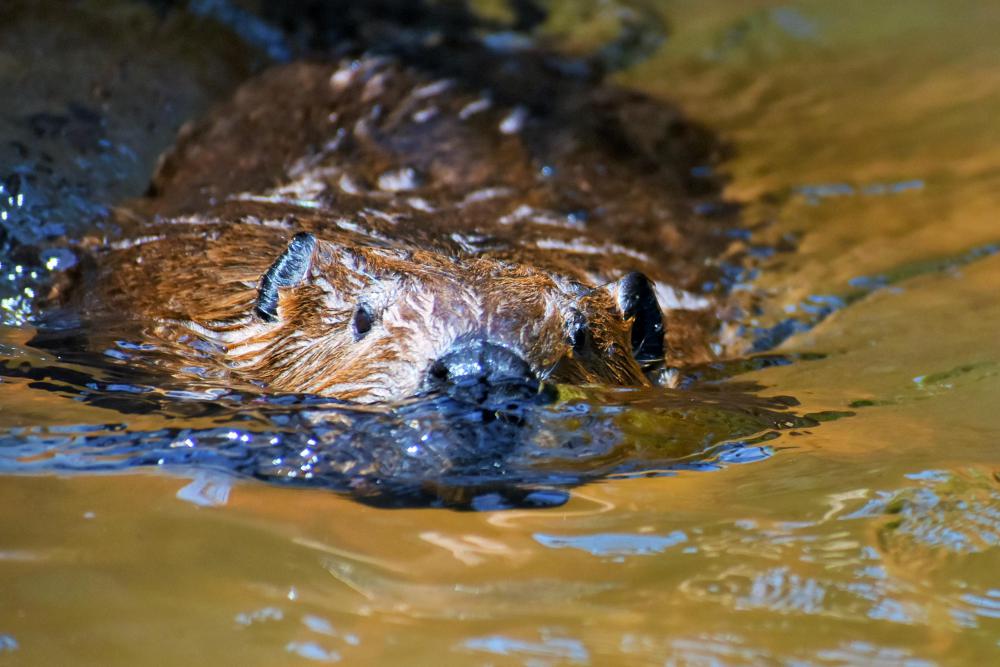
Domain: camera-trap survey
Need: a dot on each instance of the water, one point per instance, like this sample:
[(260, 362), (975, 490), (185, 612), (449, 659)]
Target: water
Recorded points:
[(866, 531)]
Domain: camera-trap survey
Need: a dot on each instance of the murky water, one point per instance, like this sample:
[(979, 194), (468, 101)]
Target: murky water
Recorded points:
[(864, 146)]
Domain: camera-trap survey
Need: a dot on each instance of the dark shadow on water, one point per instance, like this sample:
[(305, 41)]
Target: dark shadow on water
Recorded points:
[(431, 451)]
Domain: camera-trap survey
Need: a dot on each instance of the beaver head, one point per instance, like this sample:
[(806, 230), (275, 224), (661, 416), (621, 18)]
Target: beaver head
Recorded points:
[(375, 324)]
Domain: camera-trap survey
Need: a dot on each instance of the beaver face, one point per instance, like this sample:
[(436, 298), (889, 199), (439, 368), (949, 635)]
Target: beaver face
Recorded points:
[(376, 324)]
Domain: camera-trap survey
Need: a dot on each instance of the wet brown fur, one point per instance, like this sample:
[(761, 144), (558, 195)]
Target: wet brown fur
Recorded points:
[(507, 223)]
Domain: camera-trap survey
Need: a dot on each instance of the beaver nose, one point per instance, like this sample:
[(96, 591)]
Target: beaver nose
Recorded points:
[(480, 371)]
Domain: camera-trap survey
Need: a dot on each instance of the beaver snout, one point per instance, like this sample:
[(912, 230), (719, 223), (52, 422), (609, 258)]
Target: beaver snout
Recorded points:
[(479, 371)]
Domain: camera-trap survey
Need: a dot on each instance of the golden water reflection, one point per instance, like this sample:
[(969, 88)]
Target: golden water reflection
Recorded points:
[(867, 132)]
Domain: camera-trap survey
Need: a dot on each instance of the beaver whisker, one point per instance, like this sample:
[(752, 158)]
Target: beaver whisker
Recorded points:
[(547, 373)]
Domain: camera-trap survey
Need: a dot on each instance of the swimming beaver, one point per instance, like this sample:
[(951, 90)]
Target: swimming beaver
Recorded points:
[(365, 232)]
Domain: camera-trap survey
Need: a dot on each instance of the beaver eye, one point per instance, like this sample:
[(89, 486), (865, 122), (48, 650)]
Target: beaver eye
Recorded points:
[(362, 321), (579, 332)]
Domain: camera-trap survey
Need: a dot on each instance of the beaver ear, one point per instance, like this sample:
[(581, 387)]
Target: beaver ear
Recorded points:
[(637, 302), (287, 271)]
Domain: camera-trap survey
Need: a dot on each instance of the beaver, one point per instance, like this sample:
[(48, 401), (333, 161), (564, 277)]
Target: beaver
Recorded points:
[(367, 232)]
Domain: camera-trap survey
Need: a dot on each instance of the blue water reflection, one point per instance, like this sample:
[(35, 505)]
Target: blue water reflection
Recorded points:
[(614, 544)]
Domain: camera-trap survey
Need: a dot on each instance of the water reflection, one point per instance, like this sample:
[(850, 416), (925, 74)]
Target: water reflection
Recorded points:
[(834, 571), (614, 544), (436, 450), (873, 538), (557, 648), (7, 644)]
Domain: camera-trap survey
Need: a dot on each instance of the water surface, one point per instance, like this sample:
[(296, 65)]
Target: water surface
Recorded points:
[(864, 148)]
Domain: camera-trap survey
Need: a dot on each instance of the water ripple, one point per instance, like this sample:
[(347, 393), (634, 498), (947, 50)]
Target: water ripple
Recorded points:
[(432, 450)]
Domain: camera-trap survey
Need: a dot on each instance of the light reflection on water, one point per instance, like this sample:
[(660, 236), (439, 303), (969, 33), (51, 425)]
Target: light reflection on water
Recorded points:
[(616, 545), (562, 648)]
